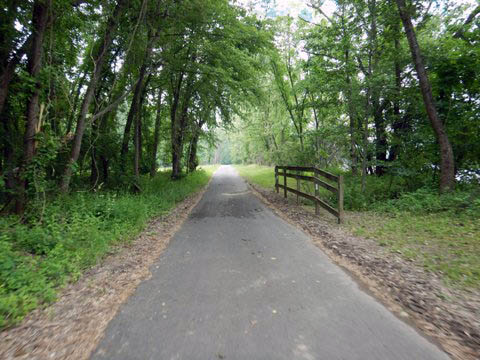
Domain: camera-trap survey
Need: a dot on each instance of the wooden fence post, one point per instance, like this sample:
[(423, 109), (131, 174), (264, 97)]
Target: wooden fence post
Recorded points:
[(317, 209), (285, 182), (341, 214), (276, 179)]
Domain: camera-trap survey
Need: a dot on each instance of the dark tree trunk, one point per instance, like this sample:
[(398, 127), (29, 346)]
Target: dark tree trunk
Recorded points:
[(98, 61), (7, 19), (447, 163), (75, 104), (178, 130), (380, 138), (9, 58), (138, 132), (397, 120), (135, 105), (9, 164), (95, 133), (175, 127), (192, 153), (105, 164), (128, 125), (39, 24), (156, 135), (137, 145), (94, 173)]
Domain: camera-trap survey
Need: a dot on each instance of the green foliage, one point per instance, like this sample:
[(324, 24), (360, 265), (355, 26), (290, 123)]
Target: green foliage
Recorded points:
[(62, 238), (260, 175), (427, 200)]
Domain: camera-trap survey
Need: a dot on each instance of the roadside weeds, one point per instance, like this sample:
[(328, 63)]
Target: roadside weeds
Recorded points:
[(72, 327)]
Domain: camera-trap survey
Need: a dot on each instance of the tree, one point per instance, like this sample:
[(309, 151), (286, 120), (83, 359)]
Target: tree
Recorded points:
[(101, 49), (447, 163)]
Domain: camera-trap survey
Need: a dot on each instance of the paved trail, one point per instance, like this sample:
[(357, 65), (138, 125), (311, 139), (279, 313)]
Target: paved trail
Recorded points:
[(238, 282)]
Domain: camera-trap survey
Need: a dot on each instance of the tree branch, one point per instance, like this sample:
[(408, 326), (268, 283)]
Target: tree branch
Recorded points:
[(470, 18)]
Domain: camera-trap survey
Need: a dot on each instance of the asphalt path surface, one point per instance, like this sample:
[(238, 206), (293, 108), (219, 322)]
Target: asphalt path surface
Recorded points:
[(238, 282)]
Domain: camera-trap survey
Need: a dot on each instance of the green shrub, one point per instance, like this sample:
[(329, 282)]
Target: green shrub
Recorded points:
[(428, 201), (62, 238)]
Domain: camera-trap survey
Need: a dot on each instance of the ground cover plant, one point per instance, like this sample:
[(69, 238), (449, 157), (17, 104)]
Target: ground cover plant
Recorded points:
[(56, 242)]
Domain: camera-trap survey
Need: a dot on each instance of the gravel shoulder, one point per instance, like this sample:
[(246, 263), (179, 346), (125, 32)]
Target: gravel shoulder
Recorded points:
[(450, 316), (71, 327)]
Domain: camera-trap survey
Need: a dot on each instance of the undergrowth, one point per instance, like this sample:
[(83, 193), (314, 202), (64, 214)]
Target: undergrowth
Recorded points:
[(58, 240)]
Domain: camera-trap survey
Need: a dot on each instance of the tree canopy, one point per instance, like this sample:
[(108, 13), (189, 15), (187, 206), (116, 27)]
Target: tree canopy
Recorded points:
[(375, 88), (97, 93), (94, 93)]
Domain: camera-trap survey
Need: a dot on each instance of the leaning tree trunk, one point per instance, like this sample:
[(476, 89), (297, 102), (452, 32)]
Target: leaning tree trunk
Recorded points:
[(39, 22), (98, 62), (447, 162)]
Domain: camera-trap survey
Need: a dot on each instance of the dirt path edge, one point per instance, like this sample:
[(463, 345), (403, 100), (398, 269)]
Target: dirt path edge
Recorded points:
[(403, 287), (72, 327)]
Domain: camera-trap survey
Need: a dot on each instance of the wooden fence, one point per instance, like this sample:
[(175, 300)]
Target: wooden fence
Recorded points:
[(337, 188)]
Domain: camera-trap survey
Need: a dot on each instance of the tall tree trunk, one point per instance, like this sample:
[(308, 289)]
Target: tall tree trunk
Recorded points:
[(134, 106), (95, 133), (351, 115), (178, 129), (192, 154), (175, 127), (138, 132), (98, 62), (156, 135), (137, 145), (365, 141), (447, 163), (380, 137), (75, 104), (397, 121), (39, 24)]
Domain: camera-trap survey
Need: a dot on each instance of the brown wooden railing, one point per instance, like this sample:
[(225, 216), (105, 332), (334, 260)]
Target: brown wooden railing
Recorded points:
[(336, 188)]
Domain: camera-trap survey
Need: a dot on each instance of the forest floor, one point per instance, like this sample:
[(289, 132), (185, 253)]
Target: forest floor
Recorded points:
[(71, 327), (442, 309)]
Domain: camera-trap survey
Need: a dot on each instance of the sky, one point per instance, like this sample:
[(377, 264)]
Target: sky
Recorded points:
[(293, 8), (299, 7)]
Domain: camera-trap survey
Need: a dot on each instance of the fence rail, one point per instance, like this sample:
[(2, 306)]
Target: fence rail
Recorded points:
[(337, 188)]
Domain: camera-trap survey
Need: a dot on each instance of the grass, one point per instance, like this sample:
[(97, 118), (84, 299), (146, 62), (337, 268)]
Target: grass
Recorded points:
[(439, 232), (264, 176), (260, 175), (59, 241)]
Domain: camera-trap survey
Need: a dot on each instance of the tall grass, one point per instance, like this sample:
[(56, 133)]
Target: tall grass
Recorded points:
[(56, 242)]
